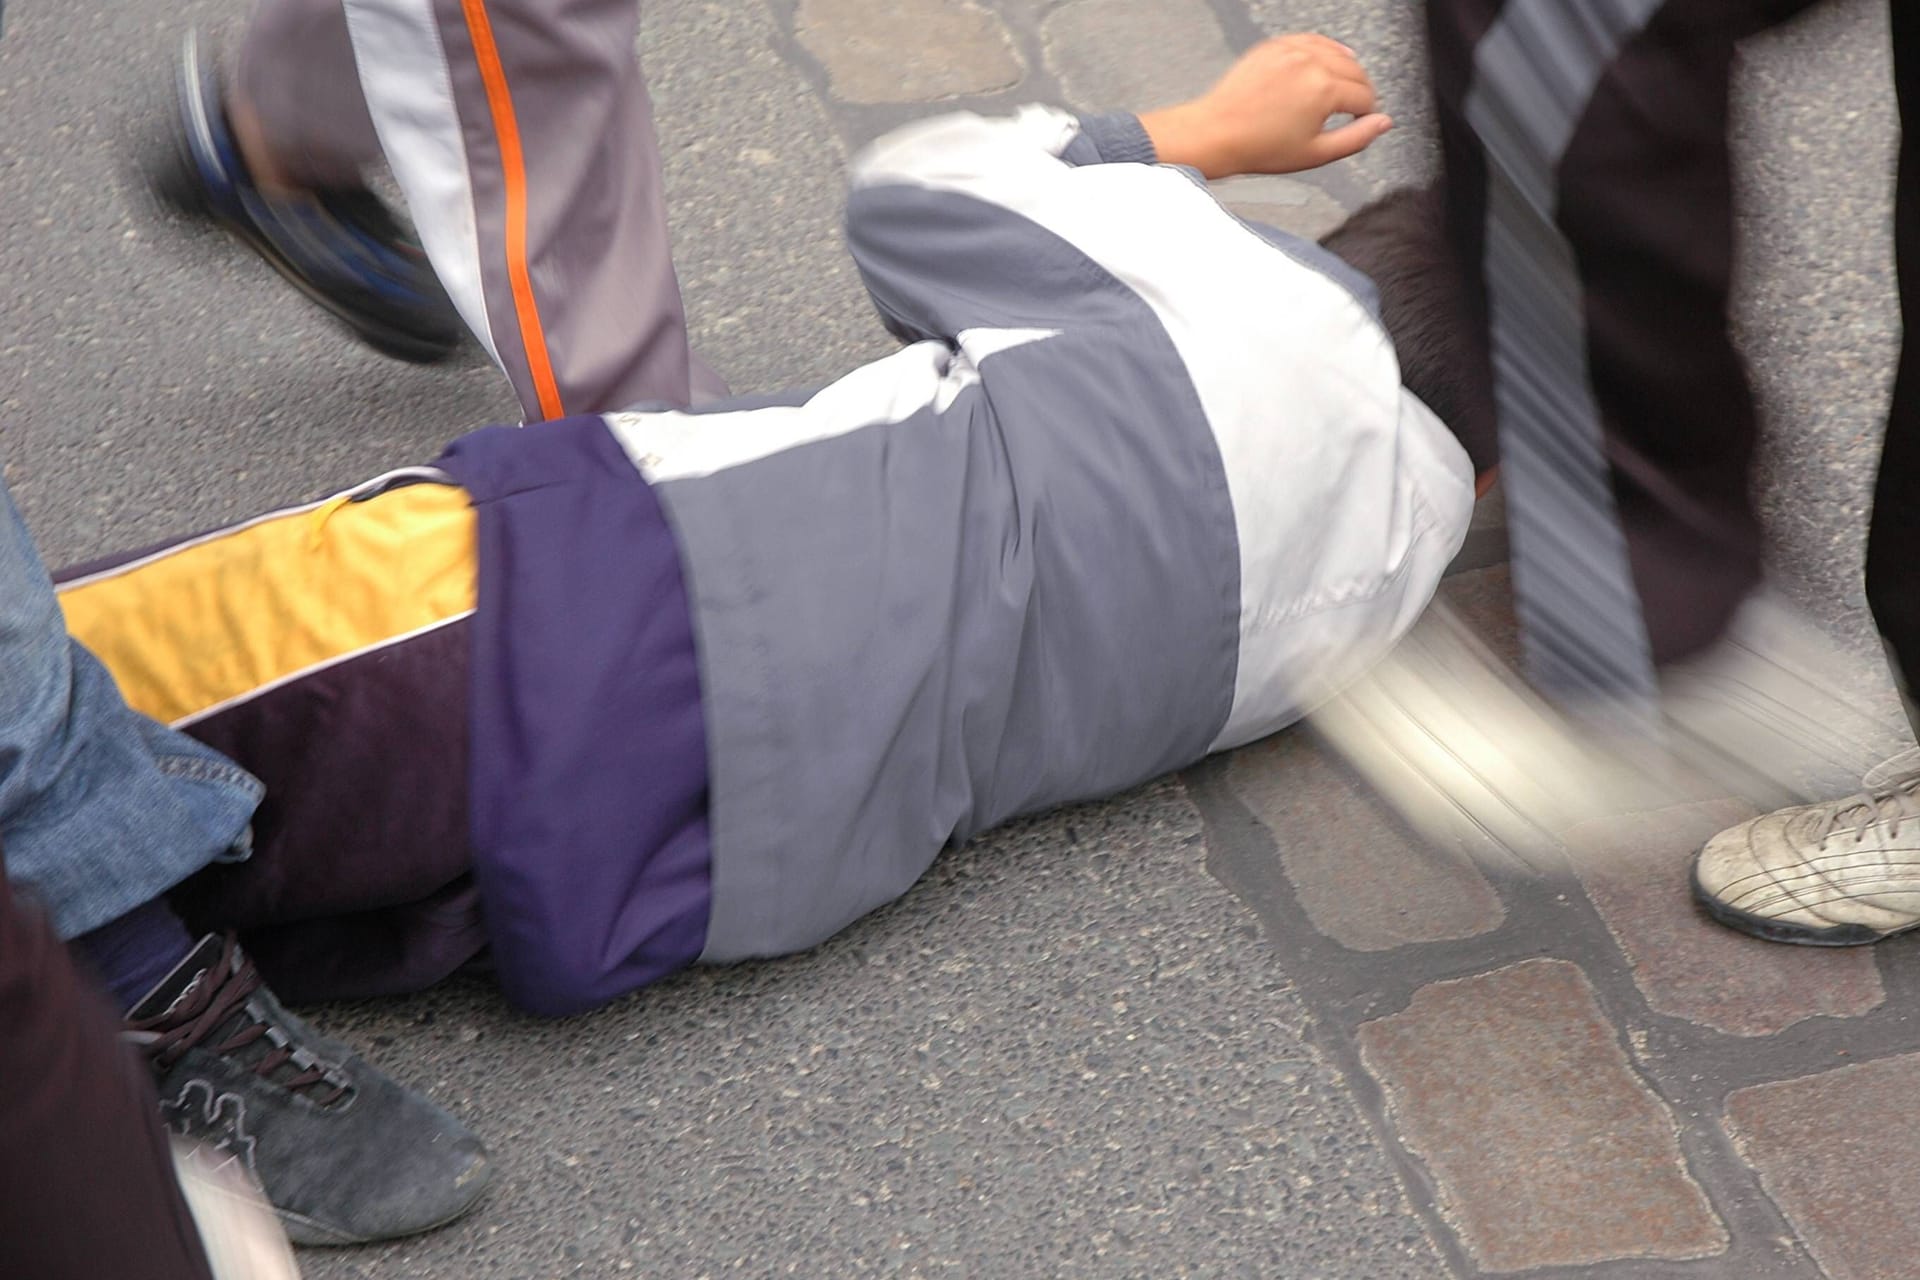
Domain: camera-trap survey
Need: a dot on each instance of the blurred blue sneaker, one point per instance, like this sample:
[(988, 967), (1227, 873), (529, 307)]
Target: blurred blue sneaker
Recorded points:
[(342, 248)]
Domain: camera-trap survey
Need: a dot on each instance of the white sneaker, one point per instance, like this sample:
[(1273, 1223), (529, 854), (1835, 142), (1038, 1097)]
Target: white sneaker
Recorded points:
[(1825, 875)]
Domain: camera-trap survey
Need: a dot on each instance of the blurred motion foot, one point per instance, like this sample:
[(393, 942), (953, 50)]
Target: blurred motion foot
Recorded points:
[(343, 248), (1477, 761)]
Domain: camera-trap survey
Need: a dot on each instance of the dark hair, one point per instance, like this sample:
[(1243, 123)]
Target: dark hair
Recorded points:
[(1400, 243)]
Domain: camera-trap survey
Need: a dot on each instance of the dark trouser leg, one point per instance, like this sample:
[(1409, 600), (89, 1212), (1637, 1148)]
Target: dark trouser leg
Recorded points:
[(359, 884), (358, 881), (86, 1182), (1586, 147), (1893, 547), (1646, 192)]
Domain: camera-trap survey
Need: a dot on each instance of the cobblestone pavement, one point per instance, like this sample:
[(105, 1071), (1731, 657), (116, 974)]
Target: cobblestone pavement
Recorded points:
[(1575, 1073), (1237, 1023)]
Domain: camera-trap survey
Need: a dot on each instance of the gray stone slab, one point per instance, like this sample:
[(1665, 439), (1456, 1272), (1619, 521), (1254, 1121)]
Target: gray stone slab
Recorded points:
[(1391, 43), (1837, 1152), (755, 193), (908, 50), (1364, 880), (1287, 203), (1546, 1147), (1132, 55), (1068, 1052)]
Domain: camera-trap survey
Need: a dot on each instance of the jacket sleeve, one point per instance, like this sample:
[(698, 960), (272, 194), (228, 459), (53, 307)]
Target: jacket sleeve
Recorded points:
[(964, 222)]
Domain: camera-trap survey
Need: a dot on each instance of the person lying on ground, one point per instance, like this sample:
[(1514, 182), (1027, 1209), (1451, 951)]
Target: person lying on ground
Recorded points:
[(606, 696)]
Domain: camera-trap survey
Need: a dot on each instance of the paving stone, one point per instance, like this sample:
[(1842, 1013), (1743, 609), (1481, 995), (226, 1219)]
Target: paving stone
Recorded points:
[(1839, 1153), (1134, 54), (753, 165), (1360, 876), (908, 50), (1546, 1149), (1286, 203), (1635, 867)]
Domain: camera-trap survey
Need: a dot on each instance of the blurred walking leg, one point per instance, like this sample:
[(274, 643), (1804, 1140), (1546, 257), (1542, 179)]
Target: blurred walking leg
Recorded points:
[(1591, 194), (522, 136)]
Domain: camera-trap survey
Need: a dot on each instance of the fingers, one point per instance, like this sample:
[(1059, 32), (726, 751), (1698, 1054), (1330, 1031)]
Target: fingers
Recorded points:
[(1350, 98), (1344, 86), (1352, 86), (1349, 139), (1273, 107), (1348, 71), (1323, 44)]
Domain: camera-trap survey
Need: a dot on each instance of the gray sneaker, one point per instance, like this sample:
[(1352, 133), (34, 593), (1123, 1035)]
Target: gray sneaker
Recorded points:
[(345, 1154), (1825, 875)]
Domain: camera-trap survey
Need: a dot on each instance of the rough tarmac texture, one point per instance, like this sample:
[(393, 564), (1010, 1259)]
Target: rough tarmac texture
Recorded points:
[(1071, 1050)]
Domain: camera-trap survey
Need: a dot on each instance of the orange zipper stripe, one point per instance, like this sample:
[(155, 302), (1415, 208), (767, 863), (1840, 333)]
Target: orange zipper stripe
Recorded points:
[(513, 170)]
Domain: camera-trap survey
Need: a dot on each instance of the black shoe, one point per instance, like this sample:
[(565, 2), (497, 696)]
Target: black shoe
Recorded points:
[(342, 248), (344, 1153)]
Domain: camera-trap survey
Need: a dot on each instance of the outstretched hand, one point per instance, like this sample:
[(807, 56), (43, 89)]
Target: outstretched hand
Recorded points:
[(1270, 112)]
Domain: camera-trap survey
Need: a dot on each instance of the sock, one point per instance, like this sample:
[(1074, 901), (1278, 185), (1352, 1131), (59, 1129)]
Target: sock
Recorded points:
[(132, 953)]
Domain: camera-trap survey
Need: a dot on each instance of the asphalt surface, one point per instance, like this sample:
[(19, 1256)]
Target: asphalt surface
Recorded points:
[(1070, 1051)]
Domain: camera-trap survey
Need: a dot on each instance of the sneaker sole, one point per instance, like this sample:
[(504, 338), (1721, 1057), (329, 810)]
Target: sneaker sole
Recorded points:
[(1799, 935), (178, 185)]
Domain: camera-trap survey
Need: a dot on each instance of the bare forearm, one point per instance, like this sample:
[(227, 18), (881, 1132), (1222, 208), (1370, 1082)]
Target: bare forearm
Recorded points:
[(1181, 136)]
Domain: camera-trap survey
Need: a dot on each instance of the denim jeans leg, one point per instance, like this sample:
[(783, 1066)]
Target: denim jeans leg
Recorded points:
[(101, 809)]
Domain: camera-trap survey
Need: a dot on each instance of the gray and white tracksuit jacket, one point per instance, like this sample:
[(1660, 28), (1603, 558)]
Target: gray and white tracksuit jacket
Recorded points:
[(1148, 487), (1144, 486)]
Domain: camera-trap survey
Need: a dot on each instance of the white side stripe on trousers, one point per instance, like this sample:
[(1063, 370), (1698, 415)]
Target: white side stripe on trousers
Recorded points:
[(1584, 632), (409, 92)]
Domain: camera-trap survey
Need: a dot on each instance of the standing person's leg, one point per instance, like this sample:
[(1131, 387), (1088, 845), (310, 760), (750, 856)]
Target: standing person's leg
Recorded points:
[(521, 134), (523, 137), (1893, 546), (279, 158), (101, 809), (86, 1181), (1846, 872), (1591, 185)]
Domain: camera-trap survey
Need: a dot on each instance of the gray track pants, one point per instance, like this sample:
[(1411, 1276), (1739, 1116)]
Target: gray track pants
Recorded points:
[(522, 137)]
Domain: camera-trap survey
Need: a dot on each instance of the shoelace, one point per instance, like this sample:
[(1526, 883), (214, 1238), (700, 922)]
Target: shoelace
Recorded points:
[(1896, 802), (210, 1005)]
